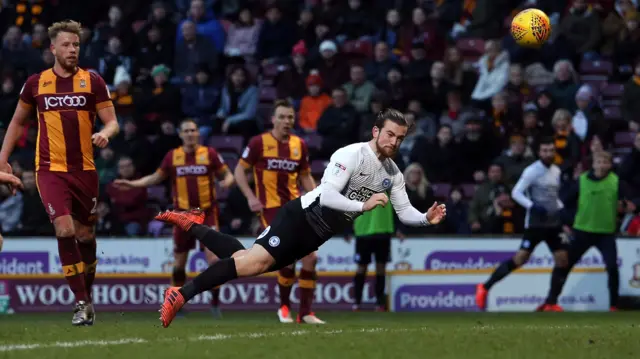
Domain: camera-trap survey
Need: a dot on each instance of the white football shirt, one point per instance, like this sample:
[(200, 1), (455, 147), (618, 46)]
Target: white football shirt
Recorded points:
[(352, 176)]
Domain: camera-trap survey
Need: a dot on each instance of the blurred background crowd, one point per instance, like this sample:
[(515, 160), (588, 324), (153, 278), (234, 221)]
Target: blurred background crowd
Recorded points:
[(480, 102)]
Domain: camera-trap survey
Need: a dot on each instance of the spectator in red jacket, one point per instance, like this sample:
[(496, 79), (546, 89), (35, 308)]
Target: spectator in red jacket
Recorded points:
[(129, 205)]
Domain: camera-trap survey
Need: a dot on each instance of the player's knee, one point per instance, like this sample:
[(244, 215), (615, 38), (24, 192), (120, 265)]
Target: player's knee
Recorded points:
[(65, 231), (561, 259), (520, 258), (310, 261), (85, 234)]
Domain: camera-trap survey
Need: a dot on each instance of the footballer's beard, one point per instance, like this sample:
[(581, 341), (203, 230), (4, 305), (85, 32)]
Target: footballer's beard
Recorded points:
[(387, 152), (67, 63), (548, 161)]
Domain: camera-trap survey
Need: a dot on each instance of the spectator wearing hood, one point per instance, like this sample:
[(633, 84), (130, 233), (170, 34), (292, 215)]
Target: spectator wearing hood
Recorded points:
[(313, 104), (333, 71), (206, 26)]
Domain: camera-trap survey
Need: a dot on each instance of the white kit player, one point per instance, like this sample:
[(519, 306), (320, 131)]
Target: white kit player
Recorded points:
[(358, 178)]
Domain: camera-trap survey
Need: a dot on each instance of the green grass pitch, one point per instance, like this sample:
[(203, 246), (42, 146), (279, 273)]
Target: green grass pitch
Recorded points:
[(347, 335)]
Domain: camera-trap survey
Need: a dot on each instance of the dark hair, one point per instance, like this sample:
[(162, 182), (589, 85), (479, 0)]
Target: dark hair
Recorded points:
[(187, 120), (392, 115), (546, 140), (281, 103)]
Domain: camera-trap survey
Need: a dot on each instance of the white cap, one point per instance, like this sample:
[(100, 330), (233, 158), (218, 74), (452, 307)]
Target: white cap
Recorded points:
[(328, 45)]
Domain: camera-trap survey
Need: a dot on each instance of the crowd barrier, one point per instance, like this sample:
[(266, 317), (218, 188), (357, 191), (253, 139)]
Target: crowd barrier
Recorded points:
[(435, 274)]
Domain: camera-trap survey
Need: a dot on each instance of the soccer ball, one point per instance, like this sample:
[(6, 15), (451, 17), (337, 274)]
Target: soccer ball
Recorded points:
[(531, 28)]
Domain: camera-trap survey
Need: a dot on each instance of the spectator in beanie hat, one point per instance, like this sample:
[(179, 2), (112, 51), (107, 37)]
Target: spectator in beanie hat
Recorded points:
[(334, 72), (313, 104), (290, 81)]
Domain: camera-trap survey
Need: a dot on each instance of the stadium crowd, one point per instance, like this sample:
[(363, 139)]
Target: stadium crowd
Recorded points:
[(479, 102)]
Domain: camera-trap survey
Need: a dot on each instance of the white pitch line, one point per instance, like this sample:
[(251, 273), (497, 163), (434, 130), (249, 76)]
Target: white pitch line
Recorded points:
[(76, 344), (253, 335)]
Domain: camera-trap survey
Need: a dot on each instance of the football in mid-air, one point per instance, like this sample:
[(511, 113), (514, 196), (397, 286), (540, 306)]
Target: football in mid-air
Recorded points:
[(531, 28)]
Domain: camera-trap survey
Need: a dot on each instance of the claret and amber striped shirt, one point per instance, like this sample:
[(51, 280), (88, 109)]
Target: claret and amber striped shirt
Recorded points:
[(192, 175), (66, 109), (276, 167)]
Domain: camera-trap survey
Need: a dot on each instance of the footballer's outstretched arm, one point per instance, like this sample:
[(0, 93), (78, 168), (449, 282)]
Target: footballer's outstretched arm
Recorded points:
[(151, 180), (407, 213)]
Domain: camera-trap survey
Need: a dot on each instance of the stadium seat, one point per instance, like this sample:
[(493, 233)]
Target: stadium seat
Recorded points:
[(624, 139), (612, 113), (441, 190), (268, 94), (222, 143), (613, 90), (598, 67), (317, 167), (597, 82), (470, 49), (313, 140), (157, 193), (270, 70), (468, 189)]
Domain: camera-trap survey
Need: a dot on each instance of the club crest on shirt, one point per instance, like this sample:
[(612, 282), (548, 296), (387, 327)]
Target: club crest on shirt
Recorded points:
[(274, 241), (83, 83), (295, 152), (386, 183)]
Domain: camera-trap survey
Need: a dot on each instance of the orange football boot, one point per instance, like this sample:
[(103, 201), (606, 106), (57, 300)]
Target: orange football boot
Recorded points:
[(481, 296), (552, 308), (183, 219), (173, 302)]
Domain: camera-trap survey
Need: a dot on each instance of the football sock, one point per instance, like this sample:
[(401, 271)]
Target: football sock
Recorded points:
[(215, 297), (88, 254), (380, 282), (178, 277), (614, 284), (222, 245), (358, 286), (217, 274), (307, 284), (286, 278), (72, 266), (502, 271), (558, 277)]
